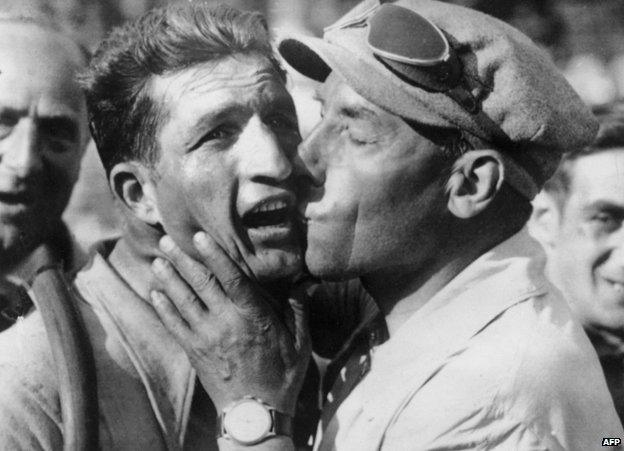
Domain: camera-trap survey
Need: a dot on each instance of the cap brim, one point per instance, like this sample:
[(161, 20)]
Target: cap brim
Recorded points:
[(303, 59), (316, 58)]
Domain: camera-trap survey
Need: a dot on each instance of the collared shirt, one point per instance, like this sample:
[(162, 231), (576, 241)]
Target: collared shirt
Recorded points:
[(14, 300), (146, 385), (610, 349), (493, 361), (145, 381)]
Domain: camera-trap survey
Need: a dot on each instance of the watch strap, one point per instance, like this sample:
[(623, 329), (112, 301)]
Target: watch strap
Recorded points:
[(282, 423)]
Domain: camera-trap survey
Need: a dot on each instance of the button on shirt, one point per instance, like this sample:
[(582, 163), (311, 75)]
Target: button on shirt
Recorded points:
[(492, 361)]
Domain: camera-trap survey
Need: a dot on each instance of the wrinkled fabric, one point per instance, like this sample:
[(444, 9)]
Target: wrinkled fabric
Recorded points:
[(492, 361), (145, 381), (146, 385)]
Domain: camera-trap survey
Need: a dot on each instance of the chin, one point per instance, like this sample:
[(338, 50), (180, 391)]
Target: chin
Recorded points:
[(270, 265), (327, 266)]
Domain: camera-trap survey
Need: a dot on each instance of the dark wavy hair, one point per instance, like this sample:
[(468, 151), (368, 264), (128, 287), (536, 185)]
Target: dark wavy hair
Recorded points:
[(123, 118), (610, 136)]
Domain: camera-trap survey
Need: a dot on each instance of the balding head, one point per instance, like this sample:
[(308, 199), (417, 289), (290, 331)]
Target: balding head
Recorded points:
[(43, 130)]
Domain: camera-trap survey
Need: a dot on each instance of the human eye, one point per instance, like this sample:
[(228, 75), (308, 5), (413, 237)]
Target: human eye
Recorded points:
[(58, 134), (605, 221), (6, 125), (218, 135), (359, 137)]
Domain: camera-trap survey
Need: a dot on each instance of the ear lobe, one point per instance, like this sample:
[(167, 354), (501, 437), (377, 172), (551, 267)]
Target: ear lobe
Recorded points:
[(545, 219), (474, 182), (132, 184)]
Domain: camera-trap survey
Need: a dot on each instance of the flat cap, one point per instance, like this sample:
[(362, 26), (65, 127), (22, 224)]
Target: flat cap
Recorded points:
[(521, 104)]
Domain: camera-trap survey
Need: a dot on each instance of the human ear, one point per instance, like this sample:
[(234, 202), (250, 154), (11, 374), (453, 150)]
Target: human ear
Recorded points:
[(545, 220), (475, 180), (132, 183)]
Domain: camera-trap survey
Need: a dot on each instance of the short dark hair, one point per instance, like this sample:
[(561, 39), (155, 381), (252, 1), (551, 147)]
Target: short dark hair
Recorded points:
[(122, 117), (610, 136)]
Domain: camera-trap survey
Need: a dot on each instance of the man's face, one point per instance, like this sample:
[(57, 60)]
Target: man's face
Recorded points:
[(226, 145), (42, 131), (588, 250), (379, 201)]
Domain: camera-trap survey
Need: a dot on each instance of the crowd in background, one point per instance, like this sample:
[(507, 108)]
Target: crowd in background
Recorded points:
[(466, 235), (584, 37)]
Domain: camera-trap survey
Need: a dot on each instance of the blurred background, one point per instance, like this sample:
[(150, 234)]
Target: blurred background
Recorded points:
[(584, 37)]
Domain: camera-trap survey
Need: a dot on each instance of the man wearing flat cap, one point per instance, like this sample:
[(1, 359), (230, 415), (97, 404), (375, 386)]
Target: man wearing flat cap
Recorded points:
[(439, 125)]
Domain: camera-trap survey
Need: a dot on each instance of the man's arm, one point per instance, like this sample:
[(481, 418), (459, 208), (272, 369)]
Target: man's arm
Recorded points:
[(238, 342)]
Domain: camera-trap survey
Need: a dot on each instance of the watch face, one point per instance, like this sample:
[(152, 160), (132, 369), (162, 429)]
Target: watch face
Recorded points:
[(248, 421)]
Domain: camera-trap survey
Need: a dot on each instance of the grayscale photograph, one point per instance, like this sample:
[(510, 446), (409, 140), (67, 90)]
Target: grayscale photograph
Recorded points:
[(311, 225)]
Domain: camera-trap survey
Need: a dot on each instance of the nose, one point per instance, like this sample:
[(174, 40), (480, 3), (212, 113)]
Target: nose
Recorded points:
[(310, 157), (19, 151), (266, 158)]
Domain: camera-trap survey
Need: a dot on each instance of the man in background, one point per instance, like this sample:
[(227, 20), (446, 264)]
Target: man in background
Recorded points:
[(43, 134), (579, 218)]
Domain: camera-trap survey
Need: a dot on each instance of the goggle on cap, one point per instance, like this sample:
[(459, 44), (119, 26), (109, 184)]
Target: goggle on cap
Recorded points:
[(446, 66)]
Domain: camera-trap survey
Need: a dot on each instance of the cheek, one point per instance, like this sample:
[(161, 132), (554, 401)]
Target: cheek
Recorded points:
[(194, 196)]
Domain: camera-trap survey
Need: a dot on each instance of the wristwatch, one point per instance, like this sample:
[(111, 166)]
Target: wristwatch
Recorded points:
[(250, 420)]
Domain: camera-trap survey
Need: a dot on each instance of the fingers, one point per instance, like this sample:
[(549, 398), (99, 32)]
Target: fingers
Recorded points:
[(201, 281), (235, 283), (178, 291), (170, 317)]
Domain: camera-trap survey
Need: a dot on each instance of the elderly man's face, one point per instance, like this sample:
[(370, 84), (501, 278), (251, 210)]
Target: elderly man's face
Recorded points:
[(587, 260), (379, 199), (226, 145), (42, 130)]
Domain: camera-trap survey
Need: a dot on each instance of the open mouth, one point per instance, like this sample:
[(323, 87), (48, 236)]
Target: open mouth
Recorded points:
[(273, 212)]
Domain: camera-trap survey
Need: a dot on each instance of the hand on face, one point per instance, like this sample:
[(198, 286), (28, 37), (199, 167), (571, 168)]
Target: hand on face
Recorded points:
[(240, 340)]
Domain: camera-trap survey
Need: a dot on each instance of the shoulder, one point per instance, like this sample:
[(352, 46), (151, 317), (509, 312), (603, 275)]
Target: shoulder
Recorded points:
[(30, 415), (25, 358), (529, 378)]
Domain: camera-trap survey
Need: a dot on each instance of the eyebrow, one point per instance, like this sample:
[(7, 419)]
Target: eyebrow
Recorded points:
[(604, 205), (66, 124)]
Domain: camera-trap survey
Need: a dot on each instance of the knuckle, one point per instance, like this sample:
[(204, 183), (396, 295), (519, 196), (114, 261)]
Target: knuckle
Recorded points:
[(233, 282), (200, 279)]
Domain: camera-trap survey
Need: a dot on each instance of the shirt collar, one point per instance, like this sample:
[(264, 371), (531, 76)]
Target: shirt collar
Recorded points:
[(160, 362), (607, 343), (508, 274)]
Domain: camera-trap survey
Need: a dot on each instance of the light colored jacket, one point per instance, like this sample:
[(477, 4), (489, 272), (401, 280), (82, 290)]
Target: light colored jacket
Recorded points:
[(145, 381), (492, 361)]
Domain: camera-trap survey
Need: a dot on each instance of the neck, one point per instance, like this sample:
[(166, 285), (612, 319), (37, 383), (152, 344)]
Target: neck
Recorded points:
[(400, 293), (133, 255)]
